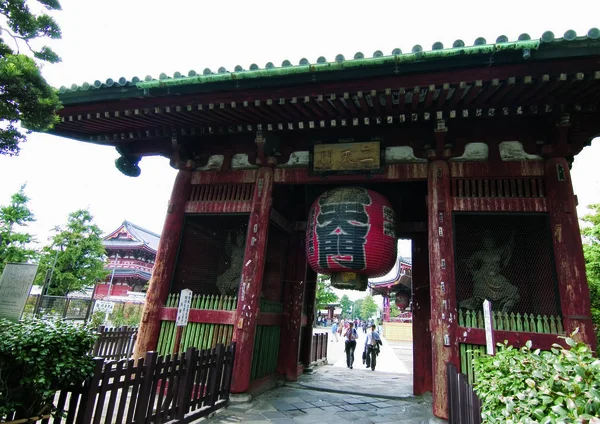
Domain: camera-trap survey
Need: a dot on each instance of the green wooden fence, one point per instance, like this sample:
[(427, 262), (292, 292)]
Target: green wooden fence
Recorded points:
[(271, 306), (266, 351), (546, 324), (468, 352), (195, 334), (205, 301)]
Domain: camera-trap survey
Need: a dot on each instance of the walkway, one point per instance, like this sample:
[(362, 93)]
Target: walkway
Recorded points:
[(335, 394)]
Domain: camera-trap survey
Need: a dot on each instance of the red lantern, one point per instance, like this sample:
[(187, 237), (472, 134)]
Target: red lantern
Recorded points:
[(351, 235), (402, 301)]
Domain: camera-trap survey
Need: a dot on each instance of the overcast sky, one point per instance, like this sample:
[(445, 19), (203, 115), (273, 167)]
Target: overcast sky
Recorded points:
[(110, 39)]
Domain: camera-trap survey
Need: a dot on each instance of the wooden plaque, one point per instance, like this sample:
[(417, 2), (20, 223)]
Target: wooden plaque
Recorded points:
[(347, 157)]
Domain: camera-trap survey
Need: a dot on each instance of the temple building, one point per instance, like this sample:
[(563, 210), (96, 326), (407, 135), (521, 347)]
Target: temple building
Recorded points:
[(131, 252), (286, 171), (395, 286)]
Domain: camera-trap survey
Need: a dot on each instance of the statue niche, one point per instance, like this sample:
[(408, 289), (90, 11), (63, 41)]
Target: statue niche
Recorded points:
[(235, 248), (485, 267)]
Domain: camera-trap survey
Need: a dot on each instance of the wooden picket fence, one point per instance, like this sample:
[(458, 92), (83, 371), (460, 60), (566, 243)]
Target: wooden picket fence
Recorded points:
[(464, 406), (177, 388), (115, 343), (319, 348), (545, 324)]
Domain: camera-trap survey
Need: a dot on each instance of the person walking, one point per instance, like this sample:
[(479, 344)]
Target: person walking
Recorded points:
[(350, 336), (372, 347), (334, 332)]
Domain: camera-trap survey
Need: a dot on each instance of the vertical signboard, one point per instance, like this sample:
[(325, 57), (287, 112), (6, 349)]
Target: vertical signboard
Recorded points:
[(15, 285), (489, 330), (183, 311)]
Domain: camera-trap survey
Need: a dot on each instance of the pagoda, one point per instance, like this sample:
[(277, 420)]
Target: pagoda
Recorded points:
[(471, 145), (131, 252)]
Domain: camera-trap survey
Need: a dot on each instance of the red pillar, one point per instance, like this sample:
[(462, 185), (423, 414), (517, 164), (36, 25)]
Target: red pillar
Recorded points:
[(251, 281), (442, 284), (568, 251), (292, 309), (386, 308), (421, 310), (164, 267)]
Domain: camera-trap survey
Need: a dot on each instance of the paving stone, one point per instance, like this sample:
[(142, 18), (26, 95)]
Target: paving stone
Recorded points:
[(332, 408), (320, 403), (295, 413), (349, 407), (303, 405), (274, 414), (282, 406), (381, 404)]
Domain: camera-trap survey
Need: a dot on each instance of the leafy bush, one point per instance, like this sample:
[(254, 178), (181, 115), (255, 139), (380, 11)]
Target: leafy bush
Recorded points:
[(529, 386), (38, 358)]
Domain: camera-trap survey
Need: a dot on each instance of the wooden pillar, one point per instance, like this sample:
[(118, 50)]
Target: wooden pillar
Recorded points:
[(421, 314), (164, 267), (251, 281), (310, 293), (442, 285), (568, 251), (292, 308), (386, 307)]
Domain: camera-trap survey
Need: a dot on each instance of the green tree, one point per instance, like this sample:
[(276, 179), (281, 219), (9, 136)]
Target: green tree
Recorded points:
[(25, 96), (368, 308), (346, 305), (357, 309), (79, 255), (14, 243), (394, 311), (591, 251), (325, 294)]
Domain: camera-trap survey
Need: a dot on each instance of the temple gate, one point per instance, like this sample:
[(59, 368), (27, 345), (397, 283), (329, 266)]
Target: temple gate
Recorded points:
[(472, 146)]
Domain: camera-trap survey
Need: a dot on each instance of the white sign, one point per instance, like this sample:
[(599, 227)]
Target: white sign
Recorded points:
[(183, 311), (489, 331), (104, 306), (15, 285)]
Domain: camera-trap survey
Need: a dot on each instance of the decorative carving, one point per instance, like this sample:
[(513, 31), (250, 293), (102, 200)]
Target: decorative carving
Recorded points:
[(486, 266), (235, 247)]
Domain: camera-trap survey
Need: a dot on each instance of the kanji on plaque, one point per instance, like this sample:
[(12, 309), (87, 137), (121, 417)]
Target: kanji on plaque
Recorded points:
[(346, 156), (183, 310)]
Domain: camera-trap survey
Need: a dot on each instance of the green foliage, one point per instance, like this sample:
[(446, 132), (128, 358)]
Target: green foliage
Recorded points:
[(325, 294), (368, 308), (126, 314), (346, 305), (26, 96), (356, 310), (591, 252), (79, 255), (394, 311), (38, 358), (529, 386), (13, 243)]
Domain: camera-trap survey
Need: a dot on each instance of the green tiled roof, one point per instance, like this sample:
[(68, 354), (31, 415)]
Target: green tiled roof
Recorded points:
[(524, 44)]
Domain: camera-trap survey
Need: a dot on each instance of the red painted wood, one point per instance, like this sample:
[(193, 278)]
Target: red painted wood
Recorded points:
[(224, 177), (218, 207), (159, 285), (251, 282), (394, 172), (267, 318), (421, 315), (477, 336), (304, 321), (568, 252), (497, 169), (263, 384), (310, 293), (293, 296), (499, 204), (442, 284), (200, 315)]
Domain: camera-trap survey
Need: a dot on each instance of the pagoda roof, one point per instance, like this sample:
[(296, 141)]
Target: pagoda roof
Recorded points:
[(481, 81), (393, 278), (129, 235)]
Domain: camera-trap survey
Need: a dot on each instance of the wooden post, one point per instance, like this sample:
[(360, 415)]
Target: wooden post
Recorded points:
[(292, 308), (251, 283), (310, 293), (386, 307), (421, 314), (442, 285), (164, 267), (568, 251)]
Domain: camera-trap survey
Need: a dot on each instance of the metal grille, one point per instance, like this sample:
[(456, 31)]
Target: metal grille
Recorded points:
[(221, 193), (508, 259), (498, 187), (211, 254)]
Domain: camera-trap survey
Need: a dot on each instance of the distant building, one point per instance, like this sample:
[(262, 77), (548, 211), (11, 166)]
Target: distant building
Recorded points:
[(131, 252), (397, 282)]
